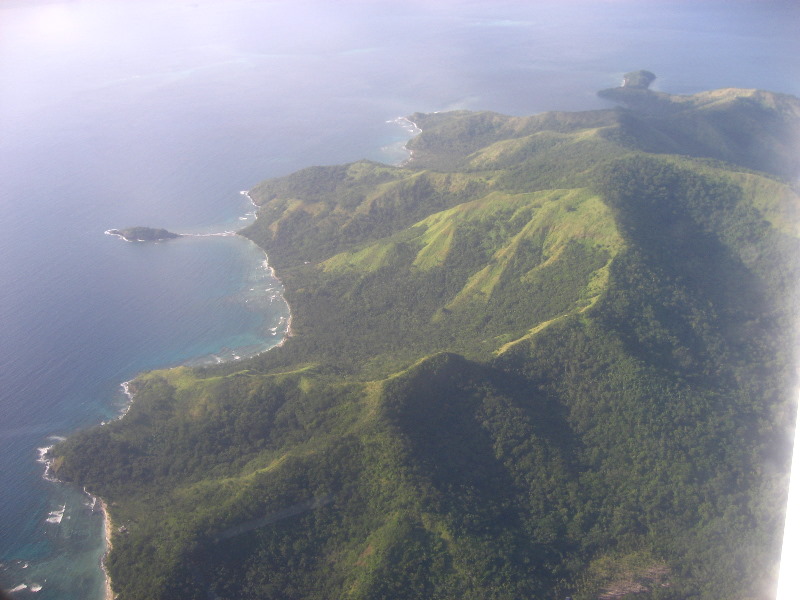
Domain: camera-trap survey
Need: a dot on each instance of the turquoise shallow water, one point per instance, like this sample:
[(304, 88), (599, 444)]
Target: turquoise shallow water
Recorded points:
[(159, 113), (213, 299)]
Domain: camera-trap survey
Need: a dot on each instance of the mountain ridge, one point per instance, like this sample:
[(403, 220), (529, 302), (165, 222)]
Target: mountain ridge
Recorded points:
[(537, 360)]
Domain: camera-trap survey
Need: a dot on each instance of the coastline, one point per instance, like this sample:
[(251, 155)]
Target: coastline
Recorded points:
[(288, 332), (107, 528), (56, 516), (128, 389), (413, 129), (130, 394)]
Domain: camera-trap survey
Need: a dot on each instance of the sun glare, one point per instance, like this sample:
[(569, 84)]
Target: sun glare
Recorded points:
[(54, 22), (789, 579)]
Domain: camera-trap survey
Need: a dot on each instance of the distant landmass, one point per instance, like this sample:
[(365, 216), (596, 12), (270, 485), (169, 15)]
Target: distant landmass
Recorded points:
[(143, 234), (638, 79), (549, 356)]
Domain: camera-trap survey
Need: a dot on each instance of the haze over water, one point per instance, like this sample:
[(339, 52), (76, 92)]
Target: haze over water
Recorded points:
[(115, 114)]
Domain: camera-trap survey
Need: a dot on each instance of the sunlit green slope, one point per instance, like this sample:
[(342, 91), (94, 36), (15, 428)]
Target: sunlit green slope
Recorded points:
[(549, 356)]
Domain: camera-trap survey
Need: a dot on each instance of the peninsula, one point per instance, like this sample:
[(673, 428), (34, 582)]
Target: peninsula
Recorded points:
[(143, 234), (550, 356)]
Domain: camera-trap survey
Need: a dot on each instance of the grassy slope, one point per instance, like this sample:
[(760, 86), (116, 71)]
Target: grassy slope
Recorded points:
[(534, 362)]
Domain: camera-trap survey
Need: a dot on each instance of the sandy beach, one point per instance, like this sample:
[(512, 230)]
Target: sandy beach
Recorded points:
[(107, 526)]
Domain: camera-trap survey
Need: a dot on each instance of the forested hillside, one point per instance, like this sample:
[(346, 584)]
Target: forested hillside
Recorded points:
[(549, 356)]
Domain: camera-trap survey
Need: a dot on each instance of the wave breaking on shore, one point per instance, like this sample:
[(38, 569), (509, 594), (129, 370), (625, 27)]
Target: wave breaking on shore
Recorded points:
[(283, 328)]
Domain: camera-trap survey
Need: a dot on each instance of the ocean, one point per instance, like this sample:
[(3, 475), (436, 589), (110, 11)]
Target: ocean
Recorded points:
[(116, 114)]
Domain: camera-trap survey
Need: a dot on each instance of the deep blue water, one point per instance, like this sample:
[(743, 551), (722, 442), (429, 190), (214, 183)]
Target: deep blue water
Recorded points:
[(115, 114)]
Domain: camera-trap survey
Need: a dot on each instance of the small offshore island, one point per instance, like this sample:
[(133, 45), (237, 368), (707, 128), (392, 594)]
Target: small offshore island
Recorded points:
[(143, 234)]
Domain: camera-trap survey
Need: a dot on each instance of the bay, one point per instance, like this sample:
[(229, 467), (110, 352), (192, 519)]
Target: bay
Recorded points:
[(159, 113)]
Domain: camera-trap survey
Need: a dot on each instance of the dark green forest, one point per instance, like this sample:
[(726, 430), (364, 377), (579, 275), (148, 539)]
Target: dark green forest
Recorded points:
[(548, 356)]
